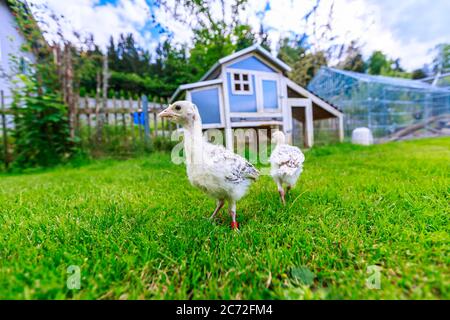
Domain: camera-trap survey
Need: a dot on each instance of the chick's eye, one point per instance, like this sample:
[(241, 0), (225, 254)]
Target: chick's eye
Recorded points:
[(178, 108)]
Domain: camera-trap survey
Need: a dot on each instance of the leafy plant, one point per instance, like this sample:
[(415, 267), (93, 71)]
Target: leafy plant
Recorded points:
[(41, 126), (163, 144)]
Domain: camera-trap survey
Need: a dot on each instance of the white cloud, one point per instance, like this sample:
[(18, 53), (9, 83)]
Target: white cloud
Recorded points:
[(406, 29), (86, 17)]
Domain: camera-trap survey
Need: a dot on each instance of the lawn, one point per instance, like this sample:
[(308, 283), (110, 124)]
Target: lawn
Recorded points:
[(138, 230)]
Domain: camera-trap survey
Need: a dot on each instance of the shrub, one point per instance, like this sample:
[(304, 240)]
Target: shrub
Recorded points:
[(41, 132), (163, 144)]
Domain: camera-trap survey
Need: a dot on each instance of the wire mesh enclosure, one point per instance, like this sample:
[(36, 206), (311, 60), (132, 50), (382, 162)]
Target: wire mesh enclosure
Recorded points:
[(388, 106)]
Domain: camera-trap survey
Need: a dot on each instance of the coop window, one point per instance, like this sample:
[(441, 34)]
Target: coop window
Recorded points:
[(241, 83)]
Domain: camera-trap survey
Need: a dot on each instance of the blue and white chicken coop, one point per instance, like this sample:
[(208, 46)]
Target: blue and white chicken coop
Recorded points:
[(250, 89)]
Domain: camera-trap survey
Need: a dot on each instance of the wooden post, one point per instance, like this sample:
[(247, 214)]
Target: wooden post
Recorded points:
[(341, 128), (146, 122), (115, 111), (98, 124), (132, 119), (140, 111), (155, 121), (309, 139), (163, 126), (168, 124), (88, 117), (105, 89), (69, 97), (77, 112), (123, 113), (170, 127), (105, 103), (5, 136)]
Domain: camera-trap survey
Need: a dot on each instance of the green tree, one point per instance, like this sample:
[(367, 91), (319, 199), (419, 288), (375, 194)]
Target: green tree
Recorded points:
[(307, 66), (245, 36), (133, 71), (88, 65), (289, 51), (210, 45), (418, 74), (353, 60), (215, 36), (132, 59), (172, 67), (112, 52), (441, 62), (41, 133), (304, 64), (378, 63), (35, 44)]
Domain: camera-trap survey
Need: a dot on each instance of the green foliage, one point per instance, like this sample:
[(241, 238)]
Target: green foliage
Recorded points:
[(307, 66), (172, 68), (131, 82), (380, 64), (418, 74), (163, 144), (117, 142), (41, 133), (88, 67), (353, 60), (441, 62), (209, 47), (245, 37), (304, 63), (127, 56), (35, 44), (290, 52), (133, 69), (138, 230)]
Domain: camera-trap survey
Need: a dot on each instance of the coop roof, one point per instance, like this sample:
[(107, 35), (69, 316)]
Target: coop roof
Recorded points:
[(400, 82), (439, 80), (254, 48)]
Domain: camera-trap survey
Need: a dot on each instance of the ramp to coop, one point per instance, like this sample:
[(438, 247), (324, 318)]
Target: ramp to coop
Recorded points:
[(437, 126)]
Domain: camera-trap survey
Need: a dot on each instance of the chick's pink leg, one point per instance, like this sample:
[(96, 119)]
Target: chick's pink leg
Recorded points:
[(218, 207), (281, 192), (232, 210)]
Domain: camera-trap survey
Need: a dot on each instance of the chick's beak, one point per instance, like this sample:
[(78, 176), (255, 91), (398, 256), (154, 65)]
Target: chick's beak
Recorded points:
[(166, 113)]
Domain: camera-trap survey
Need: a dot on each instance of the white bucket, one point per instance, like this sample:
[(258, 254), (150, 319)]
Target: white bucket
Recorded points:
[(362, 136)]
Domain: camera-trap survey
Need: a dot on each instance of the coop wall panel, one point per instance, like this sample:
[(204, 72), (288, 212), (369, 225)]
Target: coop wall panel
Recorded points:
[(207, 102), (252, 63), (239, 102), (270, 94)]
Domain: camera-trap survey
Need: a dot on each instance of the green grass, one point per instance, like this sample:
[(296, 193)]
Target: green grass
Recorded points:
[(138, 230)]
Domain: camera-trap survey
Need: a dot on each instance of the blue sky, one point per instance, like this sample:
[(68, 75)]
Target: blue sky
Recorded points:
[(407, 29)]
